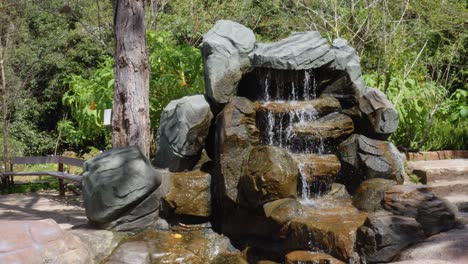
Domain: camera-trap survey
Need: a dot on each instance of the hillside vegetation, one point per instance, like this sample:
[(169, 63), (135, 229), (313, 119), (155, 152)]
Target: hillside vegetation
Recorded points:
[(58, 61)]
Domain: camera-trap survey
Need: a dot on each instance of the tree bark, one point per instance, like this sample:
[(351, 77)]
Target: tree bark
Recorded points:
[(130, 118), (4, 120)]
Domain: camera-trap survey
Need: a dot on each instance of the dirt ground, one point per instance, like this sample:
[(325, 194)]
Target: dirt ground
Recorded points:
[(67, 211)]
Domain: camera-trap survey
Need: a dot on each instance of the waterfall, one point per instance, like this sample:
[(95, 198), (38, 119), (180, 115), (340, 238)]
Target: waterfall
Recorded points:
[(293, 91)]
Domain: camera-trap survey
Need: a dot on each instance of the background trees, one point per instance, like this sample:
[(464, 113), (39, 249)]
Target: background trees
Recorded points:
[(59, 66)]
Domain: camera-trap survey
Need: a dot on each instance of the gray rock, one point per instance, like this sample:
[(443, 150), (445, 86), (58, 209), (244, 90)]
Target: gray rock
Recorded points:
[(271, 175), (384, 235), (364, 158), (370, 194), (116, 182), (182, 133), (224, 50), (346, 58), (144, 215), (380, 114), (417, 201), (300, 51)]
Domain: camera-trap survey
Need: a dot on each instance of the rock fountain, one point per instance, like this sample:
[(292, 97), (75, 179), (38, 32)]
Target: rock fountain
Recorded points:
[(286, 154)]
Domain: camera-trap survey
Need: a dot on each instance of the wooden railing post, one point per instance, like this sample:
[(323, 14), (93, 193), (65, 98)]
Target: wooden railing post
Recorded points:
[(61, 182)]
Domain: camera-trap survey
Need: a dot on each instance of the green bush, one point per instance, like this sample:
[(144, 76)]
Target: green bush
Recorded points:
[(176, 71), (430, 117)]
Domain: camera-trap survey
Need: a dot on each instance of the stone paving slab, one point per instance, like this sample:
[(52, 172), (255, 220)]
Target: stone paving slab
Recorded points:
[(439, 170), (446, 247), (33, 206)]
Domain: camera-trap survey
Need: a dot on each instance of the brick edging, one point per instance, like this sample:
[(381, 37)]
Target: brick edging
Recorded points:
[(437, 155)]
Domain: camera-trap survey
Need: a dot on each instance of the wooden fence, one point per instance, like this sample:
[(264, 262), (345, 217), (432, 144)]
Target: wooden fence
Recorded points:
[(60, 174)]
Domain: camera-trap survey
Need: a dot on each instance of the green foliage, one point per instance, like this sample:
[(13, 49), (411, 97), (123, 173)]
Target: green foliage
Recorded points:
[(430, 118), (176, 71), (87, 99)]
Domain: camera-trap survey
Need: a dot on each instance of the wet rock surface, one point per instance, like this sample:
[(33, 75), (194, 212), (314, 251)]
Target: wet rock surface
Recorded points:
[(189, 193), (154, 246), (271, 175), (322, 228), (182, 133), (319, 106), (116, 184), (384, 235), (370, 194), (332, 127), (318, 171), (309, 257), (417, 201), (40, 241)]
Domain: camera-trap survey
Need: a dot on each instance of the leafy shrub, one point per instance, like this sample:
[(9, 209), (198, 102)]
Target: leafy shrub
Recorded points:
[(176, 71), (430, 117), (87, 99)]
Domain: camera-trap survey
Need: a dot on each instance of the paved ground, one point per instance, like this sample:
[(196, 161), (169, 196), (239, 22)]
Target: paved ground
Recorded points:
[(67, 212)]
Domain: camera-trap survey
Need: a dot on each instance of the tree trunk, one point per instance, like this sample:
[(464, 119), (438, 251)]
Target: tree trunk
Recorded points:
[(4, 121), (130, 118)]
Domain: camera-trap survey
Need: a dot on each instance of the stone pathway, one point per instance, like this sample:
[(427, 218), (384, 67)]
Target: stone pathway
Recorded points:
[(66, 211), (447, 247), (446, 178)]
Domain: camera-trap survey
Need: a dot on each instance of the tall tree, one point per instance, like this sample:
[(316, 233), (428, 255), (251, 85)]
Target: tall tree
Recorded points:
[(3, 54), (131, 119)]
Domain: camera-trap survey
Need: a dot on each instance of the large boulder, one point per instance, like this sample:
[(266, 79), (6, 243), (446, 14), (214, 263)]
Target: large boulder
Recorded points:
[(271, 175), (189, 193), (283, 210), (236, 135), (417, 201), (300, 51), (184, 126), (321, 228), (380, 116), (120, 187), (225, 48), (370, 194), (364, 158), (40, 241), (348, 81), (384, 235)]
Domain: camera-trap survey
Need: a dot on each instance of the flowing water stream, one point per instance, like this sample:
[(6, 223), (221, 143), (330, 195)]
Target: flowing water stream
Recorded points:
[(288, 100)]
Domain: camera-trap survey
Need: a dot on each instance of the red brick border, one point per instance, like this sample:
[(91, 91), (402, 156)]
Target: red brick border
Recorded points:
[(437, 155)]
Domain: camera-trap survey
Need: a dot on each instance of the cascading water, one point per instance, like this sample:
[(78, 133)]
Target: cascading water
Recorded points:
[(294, 92)]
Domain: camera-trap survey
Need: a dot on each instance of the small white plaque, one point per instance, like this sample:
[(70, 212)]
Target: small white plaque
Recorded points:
[(107, 117)]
